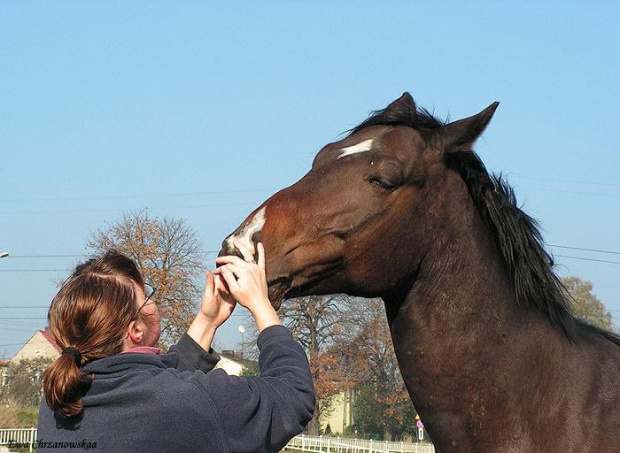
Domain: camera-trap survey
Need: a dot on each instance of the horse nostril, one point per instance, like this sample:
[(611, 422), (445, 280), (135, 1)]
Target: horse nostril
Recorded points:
[(245, 236), (227, 247)]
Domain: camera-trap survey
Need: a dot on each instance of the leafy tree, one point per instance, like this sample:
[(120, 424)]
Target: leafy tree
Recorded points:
[(23, 382), (250, 369), (314, 321), (169, 255), (383, 407), (585, 304), (367, 412), (349, 346)]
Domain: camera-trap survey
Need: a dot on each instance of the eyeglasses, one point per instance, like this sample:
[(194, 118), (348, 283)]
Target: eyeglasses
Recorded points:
[(148, 292)]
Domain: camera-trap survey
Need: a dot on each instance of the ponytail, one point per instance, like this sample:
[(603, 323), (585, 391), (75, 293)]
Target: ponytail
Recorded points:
[(64, 385)]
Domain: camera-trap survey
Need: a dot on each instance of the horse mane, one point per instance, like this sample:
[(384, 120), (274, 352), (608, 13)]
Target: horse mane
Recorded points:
[(402, 115), (516, 234), (518, 240)]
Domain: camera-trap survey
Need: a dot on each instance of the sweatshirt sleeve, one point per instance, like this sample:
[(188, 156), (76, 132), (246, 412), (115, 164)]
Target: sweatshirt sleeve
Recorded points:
[(192, 357), (262, 413)]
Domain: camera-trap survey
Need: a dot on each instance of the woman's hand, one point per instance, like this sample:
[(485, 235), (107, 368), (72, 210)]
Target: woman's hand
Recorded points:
[(217, 303), (217, 306), (247, 283)]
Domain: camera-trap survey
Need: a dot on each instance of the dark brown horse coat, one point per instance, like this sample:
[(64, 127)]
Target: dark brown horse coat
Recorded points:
[(491, 354)]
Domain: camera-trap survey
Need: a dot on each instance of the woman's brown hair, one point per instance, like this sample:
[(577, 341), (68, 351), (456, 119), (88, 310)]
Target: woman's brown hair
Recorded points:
[(90, 314)]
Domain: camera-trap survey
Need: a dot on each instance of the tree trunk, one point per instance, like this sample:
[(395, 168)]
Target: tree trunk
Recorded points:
[(313, 351), (314, 425)]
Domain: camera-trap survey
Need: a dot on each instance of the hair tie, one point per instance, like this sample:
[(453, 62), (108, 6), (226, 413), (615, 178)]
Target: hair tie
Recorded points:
[(75, 353)]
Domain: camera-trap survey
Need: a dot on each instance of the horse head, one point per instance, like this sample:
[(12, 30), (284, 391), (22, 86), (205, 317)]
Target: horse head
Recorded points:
[(360, 221)]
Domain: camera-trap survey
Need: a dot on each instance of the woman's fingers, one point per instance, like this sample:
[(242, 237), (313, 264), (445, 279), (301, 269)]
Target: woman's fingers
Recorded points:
[(229, 278), (260, 252), (247, 253), (230, 259), (210, 285), (245, 277), (222, 289)]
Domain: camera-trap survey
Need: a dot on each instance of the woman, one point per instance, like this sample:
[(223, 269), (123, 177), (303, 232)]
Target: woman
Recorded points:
[(112, 390)]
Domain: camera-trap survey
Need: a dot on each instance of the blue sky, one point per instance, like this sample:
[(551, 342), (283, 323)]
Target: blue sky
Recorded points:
[(201, 110)]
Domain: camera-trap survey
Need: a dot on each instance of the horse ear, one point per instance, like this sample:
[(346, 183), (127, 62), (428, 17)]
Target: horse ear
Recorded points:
[(403, 103), (461, 135)]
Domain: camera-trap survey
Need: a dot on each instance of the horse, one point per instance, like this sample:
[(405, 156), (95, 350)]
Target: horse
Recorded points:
[(402, 208)]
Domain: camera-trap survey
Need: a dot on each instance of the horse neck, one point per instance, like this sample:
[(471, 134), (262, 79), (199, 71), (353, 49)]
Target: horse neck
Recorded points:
[(454, 327), (460, 284)]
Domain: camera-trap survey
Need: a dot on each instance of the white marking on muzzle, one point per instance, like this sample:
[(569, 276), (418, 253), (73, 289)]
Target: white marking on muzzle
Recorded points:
[(361, 147), (244, 236)]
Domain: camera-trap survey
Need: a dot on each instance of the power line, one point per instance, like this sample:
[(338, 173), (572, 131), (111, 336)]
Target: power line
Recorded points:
[(565, 180), (207, 252), (21, 344), (83, 255), (584, 249), (47, 256), (44, 317), (154, 208), (574, 192), (26, 330), (587, 259), (69, 270), (255, 190), (30, 318), (35, 270), (121, 197), (4, 322)]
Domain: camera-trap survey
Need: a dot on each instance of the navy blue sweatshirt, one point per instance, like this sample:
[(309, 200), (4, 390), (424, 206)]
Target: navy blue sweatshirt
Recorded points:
[(173, 403)]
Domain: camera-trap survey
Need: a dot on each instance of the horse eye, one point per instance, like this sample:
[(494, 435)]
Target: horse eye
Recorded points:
[(382, 183)]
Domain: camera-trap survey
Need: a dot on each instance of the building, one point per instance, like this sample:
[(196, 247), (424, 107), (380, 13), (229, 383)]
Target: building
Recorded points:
[(340, 414), (233, 363), (41, 344)]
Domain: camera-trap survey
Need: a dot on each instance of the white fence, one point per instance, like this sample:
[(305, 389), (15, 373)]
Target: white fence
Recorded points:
[(13, 438), (27, 437), (341, 445)]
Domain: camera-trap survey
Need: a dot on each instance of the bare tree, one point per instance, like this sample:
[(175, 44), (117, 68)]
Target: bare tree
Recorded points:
[(316, 322), (383, 407), (349, 346), (169, 255)]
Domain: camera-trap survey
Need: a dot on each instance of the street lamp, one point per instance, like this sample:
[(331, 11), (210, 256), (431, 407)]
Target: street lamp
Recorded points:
[(4, 254), (242, 331)]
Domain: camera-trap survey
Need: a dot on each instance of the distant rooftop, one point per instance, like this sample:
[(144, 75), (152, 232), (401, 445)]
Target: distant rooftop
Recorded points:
[(49, 337)]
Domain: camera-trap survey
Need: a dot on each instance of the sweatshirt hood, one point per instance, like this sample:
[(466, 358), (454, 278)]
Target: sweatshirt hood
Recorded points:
[(119, 363)]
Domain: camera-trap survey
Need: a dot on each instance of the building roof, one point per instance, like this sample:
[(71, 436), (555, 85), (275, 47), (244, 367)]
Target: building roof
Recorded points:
[(49, 337), (236, 357)]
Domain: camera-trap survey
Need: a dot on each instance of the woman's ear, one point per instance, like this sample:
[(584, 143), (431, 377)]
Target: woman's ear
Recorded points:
[(135, 332)]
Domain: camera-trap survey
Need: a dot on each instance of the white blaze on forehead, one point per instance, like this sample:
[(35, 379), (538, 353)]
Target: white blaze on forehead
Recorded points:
[(361, 147), (247, 231)]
